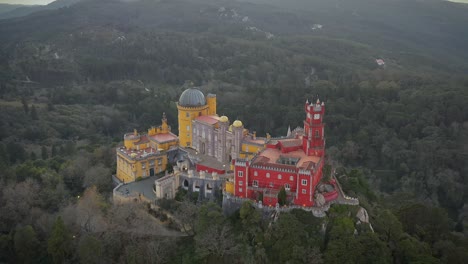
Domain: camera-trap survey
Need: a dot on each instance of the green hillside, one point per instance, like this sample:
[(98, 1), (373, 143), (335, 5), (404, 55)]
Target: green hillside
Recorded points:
[(73, 80)]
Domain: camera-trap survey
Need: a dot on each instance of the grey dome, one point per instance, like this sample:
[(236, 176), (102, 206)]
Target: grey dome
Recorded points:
[(192, 97)]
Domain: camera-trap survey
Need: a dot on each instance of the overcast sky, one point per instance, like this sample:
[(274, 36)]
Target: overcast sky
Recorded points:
[(26, 2)]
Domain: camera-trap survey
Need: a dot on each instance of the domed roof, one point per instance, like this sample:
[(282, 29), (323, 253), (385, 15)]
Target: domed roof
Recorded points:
[(192, 97), (224, 119), (237, 123)]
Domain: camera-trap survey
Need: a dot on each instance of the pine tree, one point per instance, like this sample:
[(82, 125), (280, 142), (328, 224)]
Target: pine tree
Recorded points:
[(33, 155), (27, 246), (44, 154), (282, 196), (54, 151), (58, 245), (34, 115)]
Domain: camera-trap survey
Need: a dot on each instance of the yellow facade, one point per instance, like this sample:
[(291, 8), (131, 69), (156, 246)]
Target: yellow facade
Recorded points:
[(229, 187), (131, 138), (250, 150), (187, 115), (131, 169), (211, 102), (145, 155)]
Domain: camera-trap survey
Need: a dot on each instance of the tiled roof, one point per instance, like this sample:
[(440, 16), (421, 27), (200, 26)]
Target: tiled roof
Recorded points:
[(268, 158), (164, 137), (210, 120)]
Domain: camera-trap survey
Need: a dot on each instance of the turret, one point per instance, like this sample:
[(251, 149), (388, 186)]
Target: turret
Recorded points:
[(237, 131), (211, 101)]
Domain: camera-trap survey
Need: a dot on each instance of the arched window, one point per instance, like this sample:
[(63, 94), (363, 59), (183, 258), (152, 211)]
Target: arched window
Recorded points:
[(287, 187), (268, 175), (317, 135)]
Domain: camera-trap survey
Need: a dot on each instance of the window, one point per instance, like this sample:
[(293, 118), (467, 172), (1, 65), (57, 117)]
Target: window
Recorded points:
[(255, 173), (187, 114), (317, 135), (268, 175), (271, 184), (304, 191), (241, 183), (291, 178), (287, 187), (255, 183), (279, 176), (304, 182), (159, 161), (143, 166), (188, 128), (240, 173), (317, 116), (240, 189)]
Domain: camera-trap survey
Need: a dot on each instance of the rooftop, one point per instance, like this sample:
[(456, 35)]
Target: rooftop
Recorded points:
[(164, 137), (257, 141), (291, 142), (269, 158), (208, 161), (192, 97), (210, 120), (138, 154)]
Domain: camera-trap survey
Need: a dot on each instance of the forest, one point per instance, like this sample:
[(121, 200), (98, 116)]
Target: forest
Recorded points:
[(397, 134)]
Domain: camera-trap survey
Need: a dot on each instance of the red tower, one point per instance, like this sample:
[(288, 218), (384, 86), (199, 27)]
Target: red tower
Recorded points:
[(313, 142)]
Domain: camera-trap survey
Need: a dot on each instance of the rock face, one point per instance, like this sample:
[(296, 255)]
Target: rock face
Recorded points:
[(362, 215), (319, 200)]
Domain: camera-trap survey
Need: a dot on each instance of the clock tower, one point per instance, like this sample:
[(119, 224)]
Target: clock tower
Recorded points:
[(313, 141)]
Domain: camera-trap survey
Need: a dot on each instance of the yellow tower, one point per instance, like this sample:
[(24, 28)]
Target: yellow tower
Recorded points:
[(192, 104), (211, 101)]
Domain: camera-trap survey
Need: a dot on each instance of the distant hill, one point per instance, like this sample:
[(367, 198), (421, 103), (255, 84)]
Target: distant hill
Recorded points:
[(407, 30), (5, 8), (12, 11)]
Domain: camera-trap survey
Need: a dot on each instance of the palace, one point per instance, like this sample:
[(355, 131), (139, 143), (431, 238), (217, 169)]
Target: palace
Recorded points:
[(145, 155), (210, 153)]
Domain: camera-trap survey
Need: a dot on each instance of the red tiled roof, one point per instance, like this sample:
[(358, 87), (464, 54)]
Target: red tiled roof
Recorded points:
[(268, 157), (164, 137), (210, 120)]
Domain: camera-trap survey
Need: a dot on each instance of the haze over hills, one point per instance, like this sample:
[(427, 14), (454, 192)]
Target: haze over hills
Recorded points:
[(432, 30), (10, 11)]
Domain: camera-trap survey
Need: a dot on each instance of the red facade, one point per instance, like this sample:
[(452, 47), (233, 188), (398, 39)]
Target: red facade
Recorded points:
[(294, 163)]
